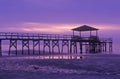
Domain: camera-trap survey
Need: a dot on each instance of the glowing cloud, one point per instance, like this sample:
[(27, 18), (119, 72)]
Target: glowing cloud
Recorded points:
[(52, 28), (49, 28)]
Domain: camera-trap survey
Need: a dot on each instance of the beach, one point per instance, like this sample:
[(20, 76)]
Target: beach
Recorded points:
[(89, 67), (59, 39)]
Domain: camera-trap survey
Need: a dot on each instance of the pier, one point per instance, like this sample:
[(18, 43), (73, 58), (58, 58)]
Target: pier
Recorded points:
[(75, 43)]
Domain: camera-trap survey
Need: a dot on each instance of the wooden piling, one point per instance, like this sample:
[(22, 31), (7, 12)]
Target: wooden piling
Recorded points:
[(73, 46), (55, 43), (36, 43), (25, 43), (13, 43), (65, 43), (81, 49), (46, 44)]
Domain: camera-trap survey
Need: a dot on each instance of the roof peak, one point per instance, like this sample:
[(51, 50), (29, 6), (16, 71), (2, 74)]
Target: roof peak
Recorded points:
[(85, 28)]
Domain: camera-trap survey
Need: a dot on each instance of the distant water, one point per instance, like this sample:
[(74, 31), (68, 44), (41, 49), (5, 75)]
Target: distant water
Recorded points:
[(116, 49), (49, 57)]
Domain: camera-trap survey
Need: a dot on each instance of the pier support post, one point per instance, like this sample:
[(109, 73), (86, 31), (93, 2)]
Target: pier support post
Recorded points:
[(46, 44), (25, 43), (65, 43), (99, 48), (86, 47), (110, 46), (36, 43), (73, 44), (102, 47), (80, 47), (105, 47), (55, 43), (13, 43), (90, 47)]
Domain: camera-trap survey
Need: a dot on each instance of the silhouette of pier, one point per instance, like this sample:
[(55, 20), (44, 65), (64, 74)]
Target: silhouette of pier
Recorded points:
[(75, 43)]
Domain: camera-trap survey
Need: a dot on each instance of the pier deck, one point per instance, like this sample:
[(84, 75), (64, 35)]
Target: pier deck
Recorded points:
[(74, 44)]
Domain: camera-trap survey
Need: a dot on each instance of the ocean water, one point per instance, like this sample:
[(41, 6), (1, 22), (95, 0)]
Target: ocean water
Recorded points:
[(65, 67), (5, 50)]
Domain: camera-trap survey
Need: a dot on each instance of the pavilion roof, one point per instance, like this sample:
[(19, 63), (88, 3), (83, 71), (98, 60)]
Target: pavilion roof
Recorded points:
[(85, 28)]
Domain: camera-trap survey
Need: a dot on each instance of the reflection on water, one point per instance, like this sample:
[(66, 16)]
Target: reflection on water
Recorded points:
[(50, 57)]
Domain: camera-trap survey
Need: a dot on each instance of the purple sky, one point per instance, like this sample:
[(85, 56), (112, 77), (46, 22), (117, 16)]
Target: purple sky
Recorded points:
[(38, 15), (60, 11)]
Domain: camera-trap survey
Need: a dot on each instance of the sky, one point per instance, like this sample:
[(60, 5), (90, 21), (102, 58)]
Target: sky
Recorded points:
[(59, 16)]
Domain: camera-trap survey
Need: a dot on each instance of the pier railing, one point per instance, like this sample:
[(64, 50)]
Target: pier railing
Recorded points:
[(35, 36)]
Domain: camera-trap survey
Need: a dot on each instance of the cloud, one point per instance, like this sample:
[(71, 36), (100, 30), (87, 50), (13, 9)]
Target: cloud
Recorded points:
[(53, 28), (50, 28), (47, 27)]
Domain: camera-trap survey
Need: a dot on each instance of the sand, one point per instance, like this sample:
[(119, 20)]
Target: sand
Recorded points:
[(90, 67)]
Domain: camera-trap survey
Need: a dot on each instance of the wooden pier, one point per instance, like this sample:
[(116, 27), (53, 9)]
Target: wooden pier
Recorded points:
[(75, 44)]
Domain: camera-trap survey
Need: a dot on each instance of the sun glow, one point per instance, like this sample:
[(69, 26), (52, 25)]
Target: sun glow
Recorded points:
[(48, 28), (54, 28), (108, 27)]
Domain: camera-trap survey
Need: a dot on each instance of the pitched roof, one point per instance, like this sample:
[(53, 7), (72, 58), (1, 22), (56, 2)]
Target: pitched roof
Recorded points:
[(85, 28)]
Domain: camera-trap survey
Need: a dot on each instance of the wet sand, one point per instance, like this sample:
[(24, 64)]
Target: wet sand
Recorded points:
[(89, 67)]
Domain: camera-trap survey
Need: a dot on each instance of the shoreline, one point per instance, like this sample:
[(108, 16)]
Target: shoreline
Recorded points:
[(92, 67)]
